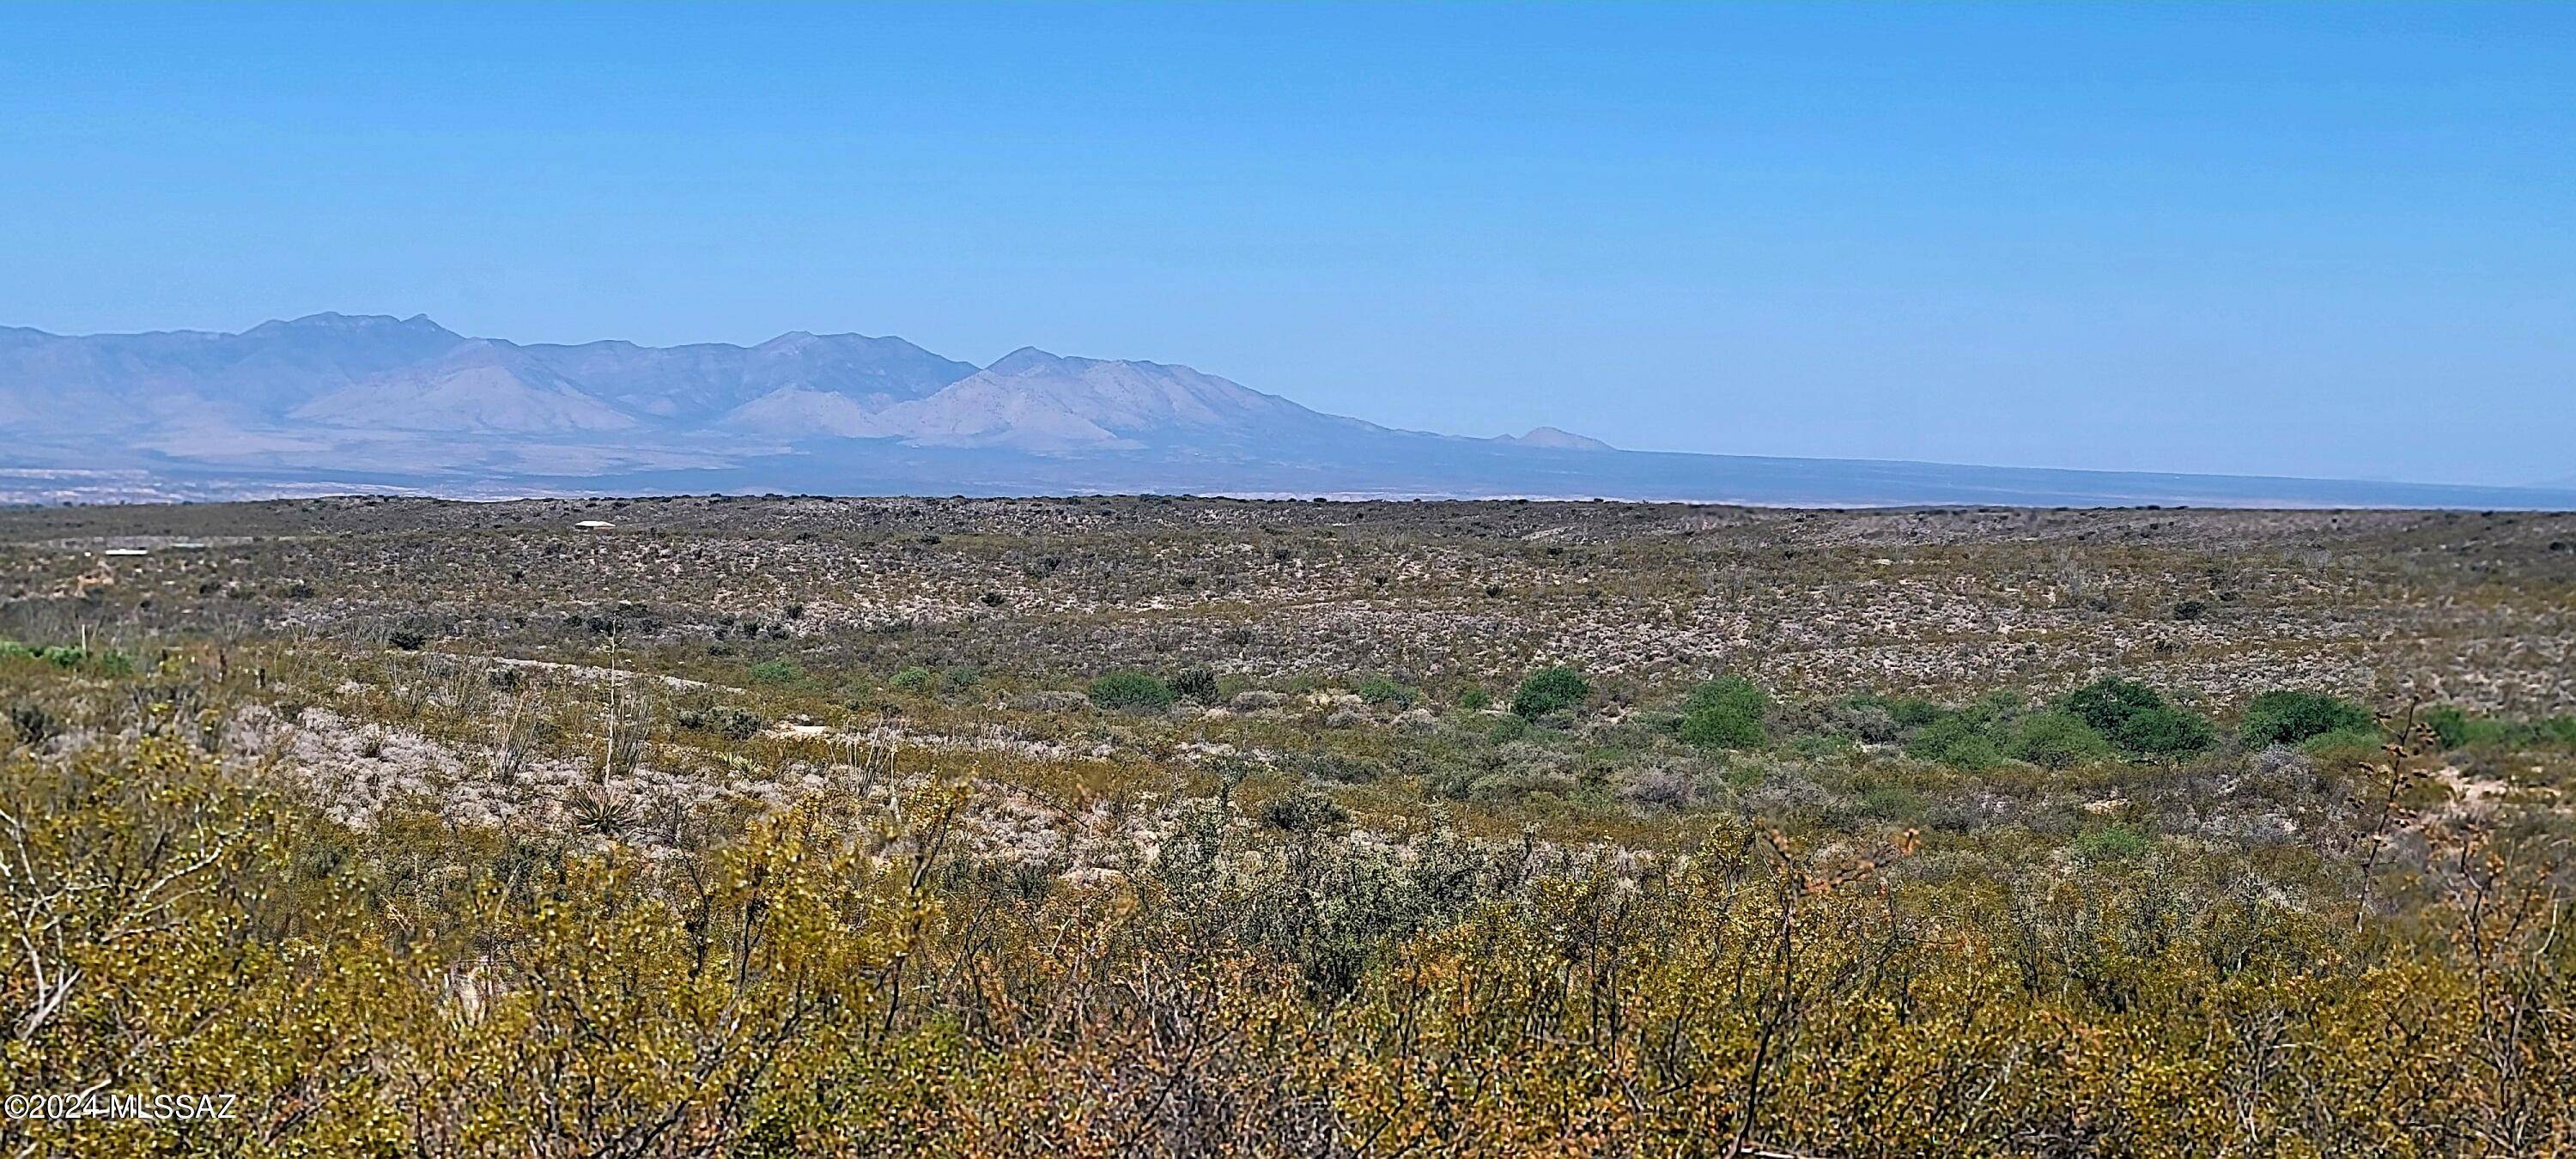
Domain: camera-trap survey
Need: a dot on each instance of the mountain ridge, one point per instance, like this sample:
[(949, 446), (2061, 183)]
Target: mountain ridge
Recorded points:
[(375, 400)]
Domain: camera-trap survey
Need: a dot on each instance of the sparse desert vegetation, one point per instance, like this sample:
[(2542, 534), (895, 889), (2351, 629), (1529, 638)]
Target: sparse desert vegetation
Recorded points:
[(1115, 824)]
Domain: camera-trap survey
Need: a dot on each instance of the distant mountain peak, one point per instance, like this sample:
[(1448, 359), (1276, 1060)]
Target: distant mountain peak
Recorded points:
[(1026, 360), (333, 320), (1551, 438)]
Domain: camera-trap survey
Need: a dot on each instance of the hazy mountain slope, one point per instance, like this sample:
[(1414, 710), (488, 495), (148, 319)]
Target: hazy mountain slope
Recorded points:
[(482, 387), (705, 382), (126, 382), (284, 364), (796, 412), (359, 372), (1035, 401)]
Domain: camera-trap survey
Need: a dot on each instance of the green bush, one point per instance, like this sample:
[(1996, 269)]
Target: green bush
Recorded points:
[(779, 671), (914, 679), (1475, 700), (1912, 712), (2112, 843), (1131, 690), (1957, 739), (2139, 719), (2166, 731), (1380, 690), (1891, 802), (1725, 713), (2458, 729), (110, 662), (2107, 702), (1548, 690), (2057, 740), (2288, 716)]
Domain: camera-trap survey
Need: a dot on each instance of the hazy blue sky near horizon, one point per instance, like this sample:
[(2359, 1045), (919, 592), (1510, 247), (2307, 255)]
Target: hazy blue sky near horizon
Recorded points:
[(2335, 241)]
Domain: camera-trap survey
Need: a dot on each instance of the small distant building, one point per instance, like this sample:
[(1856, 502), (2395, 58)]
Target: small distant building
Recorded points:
[(594, 525), (124, 552)]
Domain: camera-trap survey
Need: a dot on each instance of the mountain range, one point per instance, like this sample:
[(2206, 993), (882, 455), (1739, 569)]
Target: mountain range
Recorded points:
[(341, 402)]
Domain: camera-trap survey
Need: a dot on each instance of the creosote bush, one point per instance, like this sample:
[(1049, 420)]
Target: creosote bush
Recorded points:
[(2111, 843), (1725, 713), (2460, 729), (1960, 740), (2139, 719), (778, 671), (1383, 691), (1131, 690), (2286, 716), (2057, 740), (1550, 690)]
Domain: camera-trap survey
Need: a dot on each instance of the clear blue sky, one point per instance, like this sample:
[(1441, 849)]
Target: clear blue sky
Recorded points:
[(2299, 240)]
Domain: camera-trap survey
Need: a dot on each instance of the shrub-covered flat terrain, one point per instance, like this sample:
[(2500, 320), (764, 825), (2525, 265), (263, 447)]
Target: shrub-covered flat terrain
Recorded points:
[(1116, 824)]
